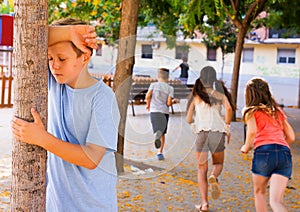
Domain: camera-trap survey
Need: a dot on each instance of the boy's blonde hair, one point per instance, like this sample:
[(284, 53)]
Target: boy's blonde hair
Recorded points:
[(68, 21), (163, 73)]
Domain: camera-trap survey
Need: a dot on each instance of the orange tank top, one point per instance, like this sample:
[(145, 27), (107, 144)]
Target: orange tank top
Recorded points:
[(269, 129)]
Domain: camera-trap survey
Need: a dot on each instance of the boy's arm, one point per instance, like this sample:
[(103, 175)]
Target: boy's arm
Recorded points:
[(88, 156), (250, 135), (148, 98), (81, 35), (170, 97), (169, 101)]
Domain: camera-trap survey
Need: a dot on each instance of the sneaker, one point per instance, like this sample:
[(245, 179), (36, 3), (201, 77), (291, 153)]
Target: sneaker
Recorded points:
[(160, 156), (214, 186)]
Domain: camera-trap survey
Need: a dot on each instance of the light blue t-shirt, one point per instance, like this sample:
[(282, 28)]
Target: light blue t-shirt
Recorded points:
[(79, 116), (161, 91)]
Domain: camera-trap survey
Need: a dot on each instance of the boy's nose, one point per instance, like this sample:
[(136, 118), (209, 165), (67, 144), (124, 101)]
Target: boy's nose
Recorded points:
[(55, 64)]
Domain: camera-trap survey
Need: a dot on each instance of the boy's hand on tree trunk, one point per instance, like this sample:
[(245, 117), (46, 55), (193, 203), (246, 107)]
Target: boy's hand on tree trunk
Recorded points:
[(29, 132)]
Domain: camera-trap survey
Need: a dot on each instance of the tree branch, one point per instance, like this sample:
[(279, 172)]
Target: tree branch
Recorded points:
[(233, 6), (251, 13), (233, 17)]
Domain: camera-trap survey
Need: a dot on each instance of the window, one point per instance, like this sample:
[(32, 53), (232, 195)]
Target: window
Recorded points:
[(181, 52), (211, 54), (248, 55), (147, 51), (286, 56)]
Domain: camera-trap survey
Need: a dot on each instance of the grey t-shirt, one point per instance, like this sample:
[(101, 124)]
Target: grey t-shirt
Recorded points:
[(79, 116), (160, 93)]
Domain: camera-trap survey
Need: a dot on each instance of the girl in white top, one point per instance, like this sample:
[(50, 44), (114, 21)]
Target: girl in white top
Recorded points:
[(204, 112)]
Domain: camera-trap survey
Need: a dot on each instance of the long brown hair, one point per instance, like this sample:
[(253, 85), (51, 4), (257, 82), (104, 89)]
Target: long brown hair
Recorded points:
[(258, 97), (208, 77)]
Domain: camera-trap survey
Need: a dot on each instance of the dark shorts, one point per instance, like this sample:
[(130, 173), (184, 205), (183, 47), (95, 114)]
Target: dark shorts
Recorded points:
[(159, 122), (210, 141), (272, 159)]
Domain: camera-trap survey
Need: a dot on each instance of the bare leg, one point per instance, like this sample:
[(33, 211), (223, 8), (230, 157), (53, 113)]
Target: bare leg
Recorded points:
[(260, 184), (217, 160), (278, 184), (162, 139), (202, 158)]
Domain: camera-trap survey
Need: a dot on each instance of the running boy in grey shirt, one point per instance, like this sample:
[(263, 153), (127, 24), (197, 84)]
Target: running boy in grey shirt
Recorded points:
[(159, 99)]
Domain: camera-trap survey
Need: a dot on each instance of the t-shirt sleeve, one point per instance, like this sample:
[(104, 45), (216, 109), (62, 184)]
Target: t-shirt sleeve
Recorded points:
[(103, 130), (151, 86), (171, 94)]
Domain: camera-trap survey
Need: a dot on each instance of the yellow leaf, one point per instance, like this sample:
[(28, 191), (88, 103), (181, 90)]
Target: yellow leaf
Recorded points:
[(124, 194), (5, 193), (138, 197)]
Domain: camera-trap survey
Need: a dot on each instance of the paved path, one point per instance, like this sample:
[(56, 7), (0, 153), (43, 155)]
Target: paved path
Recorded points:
[(174, 186)]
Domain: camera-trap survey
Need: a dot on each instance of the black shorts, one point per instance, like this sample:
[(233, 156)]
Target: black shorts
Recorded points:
[(159, 122)]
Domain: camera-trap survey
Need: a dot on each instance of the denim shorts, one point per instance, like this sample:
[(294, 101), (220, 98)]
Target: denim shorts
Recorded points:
[(272, 159)]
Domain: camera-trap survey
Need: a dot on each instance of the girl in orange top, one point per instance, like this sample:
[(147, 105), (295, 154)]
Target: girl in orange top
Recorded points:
[(271, 134)]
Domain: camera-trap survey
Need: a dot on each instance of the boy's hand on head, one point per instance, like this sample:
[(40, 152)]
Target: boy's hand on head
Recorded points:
[(84, 36), (90, 38), (29, 132)]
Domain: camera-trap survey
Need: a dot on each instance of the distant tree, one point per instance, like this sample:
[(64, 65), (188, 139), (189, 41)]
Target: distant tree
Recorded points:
[(241, 13), (223, 37), (30, 88), (285, 14)]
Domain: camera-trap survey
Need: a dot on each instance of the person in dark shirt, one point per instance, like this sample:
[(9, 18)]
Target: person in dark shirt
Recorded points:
[(184, 70)]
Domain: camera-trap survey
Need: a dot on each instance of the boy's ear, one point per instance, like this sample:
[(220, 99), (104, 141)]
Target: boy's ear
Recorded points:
[(86, 58)]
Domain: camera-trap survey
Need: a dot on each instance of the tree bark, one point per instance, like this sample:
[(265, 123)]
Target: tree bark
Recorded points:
[(30, 88), (253, 11), (124, 67), (299, 91), (236, 68)]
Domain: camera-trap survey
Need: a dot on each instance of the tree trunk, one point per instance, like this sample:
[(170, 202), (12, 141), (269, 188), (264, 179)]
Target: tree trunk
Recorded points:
[(236, 68), (125, 63), (299, 91), (223, 63), (30, 60)]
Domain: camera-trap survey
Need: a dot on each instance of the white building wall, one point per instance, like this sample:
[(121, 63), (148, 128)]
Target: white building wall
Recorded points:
[(264, 60)]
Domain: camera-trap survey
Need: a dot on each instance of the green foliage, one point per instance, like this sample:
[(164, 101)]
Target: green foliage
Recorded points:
[(165, 15), (169, 16), (105, 15), (285, 14), (5, 9), (223, 36)]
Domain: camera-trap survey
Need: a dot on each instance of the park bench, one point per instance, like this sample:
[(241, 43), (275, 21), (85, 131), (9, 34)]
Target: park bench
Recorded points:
[(138, 91)]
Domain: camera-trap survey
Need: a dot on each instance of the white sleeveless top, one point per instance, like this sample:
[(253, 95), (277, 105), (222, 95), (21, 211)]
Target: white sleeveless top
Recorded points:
[(208, 118)]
